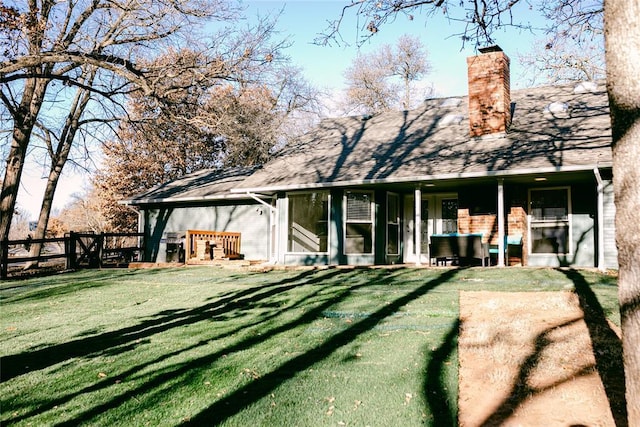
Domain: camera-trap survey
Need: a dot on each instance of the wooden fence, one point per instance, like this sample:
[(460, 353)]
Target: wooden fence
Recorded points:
[(206, 245), (78, 250)]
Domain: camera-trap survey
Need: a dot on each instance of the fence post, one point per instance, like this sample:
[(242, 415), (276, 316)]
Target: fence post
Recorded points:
[(101, 240), (70, 247), (4, 255)]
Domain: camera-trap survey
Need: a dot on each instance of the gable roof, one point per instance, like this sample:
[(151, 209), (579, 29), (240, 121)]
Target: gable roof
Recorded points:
[(554, 128), (432, 142), (206, 184)]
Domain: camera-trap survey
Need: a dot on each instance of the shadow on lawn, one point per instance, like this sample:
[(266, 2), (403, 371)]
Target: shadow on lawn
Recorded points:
[(46, 287), (126, 339), (28, 361), (241, 398), (436, 394), (607, 350), (155, 384), (238, 400)]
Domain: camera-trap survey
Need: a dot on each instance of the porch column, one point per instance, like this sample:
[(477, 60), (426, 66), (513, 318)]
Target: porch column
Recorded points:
[(600, 220), (501, 239), (417, 223)]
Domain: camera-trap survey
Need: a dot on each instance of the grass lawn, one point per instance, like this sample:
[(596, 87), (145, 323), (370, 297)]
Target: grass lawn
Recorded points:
[(205, 346)]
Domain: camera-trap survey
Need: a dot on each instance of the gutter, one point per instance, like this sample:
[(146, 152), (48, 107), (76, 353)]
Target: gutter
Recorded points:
[(418, 178), (138, 202)]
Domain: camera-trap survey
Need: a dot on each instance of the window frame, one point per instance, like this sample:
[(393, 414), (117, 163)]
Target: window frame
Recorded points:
[(346, 220), (541, 223), (288, 221), (396, 223)]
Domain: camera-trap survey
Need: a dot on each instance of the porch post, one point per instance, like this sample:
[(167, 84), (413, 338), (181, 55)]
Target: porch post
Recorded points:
[(501, 239), (600, 220), (417, 223)]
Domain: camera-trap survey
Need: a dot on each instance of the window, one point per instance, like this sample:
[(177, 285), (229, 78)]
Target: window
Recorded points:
[(449, 216), (359, 222), (550, 211), (308, 220), (393, 224)]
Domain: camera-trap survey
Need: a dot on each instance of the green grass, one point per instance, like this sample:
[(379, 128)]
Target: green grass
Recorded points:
[(217, 347)]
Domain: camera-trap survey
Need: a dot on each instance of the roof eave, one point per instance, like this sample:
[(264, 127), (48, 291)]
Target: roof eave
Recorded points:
[(420, 178), (226, 196)]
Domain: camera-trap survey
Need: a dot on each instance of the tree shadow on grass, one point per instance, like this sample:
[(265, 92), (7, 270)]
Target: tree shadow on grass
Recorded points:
[(437, 396), (241, 398), (154, 385), (183, 371), (37, 289), (28, 361), (246, 301)]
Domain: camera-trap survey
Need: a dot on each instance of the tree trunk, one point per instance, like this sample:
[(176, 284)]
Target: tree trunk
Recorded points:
[(622, 43), (59, 158), (24, 119), (43, 218), (11, 182)]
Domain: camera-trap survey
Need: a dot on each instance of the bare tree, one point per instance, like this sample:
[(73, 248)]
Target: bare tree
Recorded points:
[(573, 47), (479, 18), (368, 87), (48, 47), (85, 213), (375, 80), (408, 61)]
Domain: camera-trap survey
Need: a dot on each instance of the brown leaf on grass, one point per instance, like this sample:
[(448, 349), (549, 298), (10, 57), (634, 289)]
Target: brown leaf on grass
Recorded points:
[(407, 398), (102, 375), (330, 411)]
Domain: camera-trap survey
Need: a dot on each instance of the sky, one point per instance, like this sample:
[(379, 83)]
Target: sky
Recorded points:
[(301, 21), (324, 66)]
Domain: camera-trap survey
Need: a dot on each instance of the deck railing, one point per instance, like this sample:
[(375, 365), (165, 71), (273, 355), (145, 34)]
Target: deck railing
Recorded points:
[(222, 244)]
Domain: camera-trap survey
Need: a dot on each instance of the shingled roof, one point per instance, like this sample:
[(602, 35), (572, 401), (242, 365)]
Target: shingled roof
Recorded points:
[(553, 129)]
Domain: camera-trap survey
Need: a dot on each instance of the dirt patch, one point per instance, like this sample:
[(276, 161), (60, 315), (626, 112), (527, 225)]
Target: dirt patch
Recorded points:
[(527, 359)]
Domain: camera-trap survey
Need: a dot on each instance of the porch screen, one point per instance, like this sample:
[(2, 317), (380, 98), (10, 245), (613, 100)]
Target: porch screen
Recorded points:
[(359, 223), (550, 211), (308, 219)]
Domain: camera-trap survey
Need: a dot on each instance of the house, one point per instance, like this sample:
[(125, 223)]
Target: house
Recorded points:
[(529, 166)]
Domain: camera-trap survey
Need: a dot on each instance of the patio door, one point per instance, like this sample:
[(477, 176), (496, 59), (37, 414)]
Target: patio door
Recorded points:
[(426, 229), (439, 215)]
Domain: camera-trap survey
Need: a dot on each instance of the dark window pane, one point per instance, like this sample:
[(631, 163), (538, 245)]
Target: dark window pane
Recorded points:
[(392, 238), (308, 219), (550, 240), (449, 216), (359, 238), (548, 205)]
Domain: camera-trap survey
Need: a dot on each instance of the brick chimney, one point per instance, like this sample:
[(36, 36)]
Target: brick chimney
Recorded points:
[(489, 92)]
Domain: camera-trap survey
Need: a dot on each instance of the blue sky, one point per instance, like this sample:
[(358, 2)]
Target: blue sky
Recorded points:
[(302, 20)]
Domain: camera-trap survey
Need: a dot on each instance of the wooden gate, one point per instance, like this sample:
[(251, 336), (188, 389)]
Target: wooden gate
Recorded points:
[(89, 250)]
